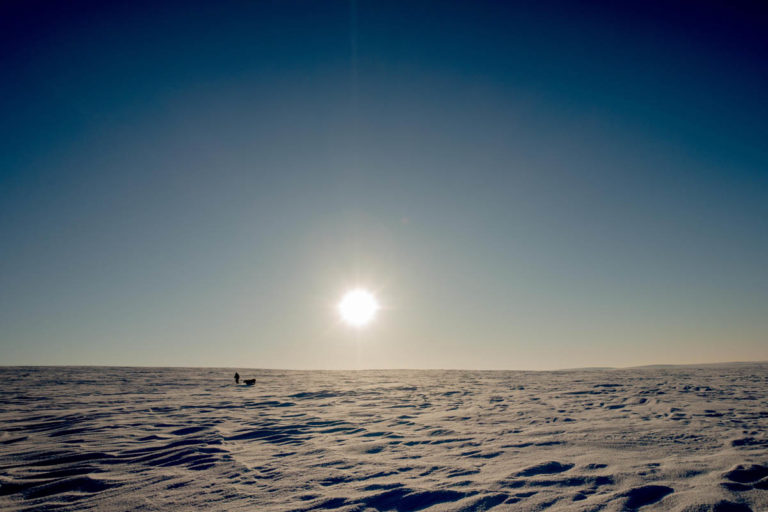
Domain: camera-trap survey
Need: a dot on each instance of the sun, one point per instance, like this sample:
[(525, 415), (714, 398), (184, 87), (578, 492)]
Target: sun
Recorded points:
[(358, 307)]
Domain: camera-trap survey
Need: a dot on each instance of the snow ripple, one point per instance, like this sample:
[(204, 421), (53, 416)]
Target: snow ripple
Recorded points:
[(683, 439)]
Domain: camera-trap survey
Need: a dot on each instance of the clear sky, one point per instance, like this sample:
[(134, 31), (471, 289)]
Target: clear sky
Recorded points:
[(524, 185)]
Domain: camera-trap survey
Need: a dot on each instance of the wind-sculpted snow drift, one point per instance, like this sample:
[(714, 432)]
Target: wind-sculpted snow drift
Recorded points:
[(680, 439)]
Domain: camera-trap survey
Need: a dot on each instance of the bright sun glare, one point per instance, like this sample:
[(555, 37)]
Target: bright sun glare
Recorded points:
[(358, 307)]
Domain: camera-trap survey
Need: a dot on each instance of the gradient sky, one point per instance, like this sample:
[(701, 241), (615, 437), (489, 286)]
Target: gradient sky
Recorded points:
[(525, 185)]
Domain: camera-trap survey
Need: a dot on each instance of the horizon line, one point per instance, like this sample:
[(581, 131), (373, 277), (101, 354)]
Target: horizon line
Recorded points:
[(593, 368)]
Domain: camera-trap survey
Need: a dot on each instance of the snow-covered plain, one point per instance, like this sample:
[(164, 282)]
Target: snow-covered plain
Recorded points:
[(678, 438)]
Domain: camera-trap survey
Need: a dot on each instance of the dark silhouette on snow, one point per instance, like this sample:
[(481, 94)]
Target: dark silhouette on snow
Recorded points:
[(237, 378)]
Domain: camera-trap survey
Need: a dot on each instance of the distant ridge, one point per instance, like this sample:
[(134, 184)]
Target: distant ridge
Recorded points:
[(588, 368), (696, 365), (662, 366)]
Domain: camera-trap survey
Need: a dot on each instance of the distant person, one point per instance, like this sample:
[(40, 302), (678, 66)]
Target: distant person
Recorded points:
[(237, 378)]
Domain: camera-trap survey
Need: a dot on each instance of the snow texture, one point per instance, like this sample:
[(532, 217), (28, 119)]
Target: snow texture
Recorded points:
[(674, 439)]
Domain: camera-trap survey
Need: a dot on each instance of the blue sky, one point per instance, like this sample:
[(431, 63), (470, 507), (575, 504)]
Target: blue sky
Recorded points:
[(526, 186)]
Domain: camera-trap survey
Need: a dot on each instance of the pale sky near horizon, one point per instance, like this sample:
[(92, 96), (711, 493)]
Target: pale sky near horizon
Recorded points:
[(533, 185)]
